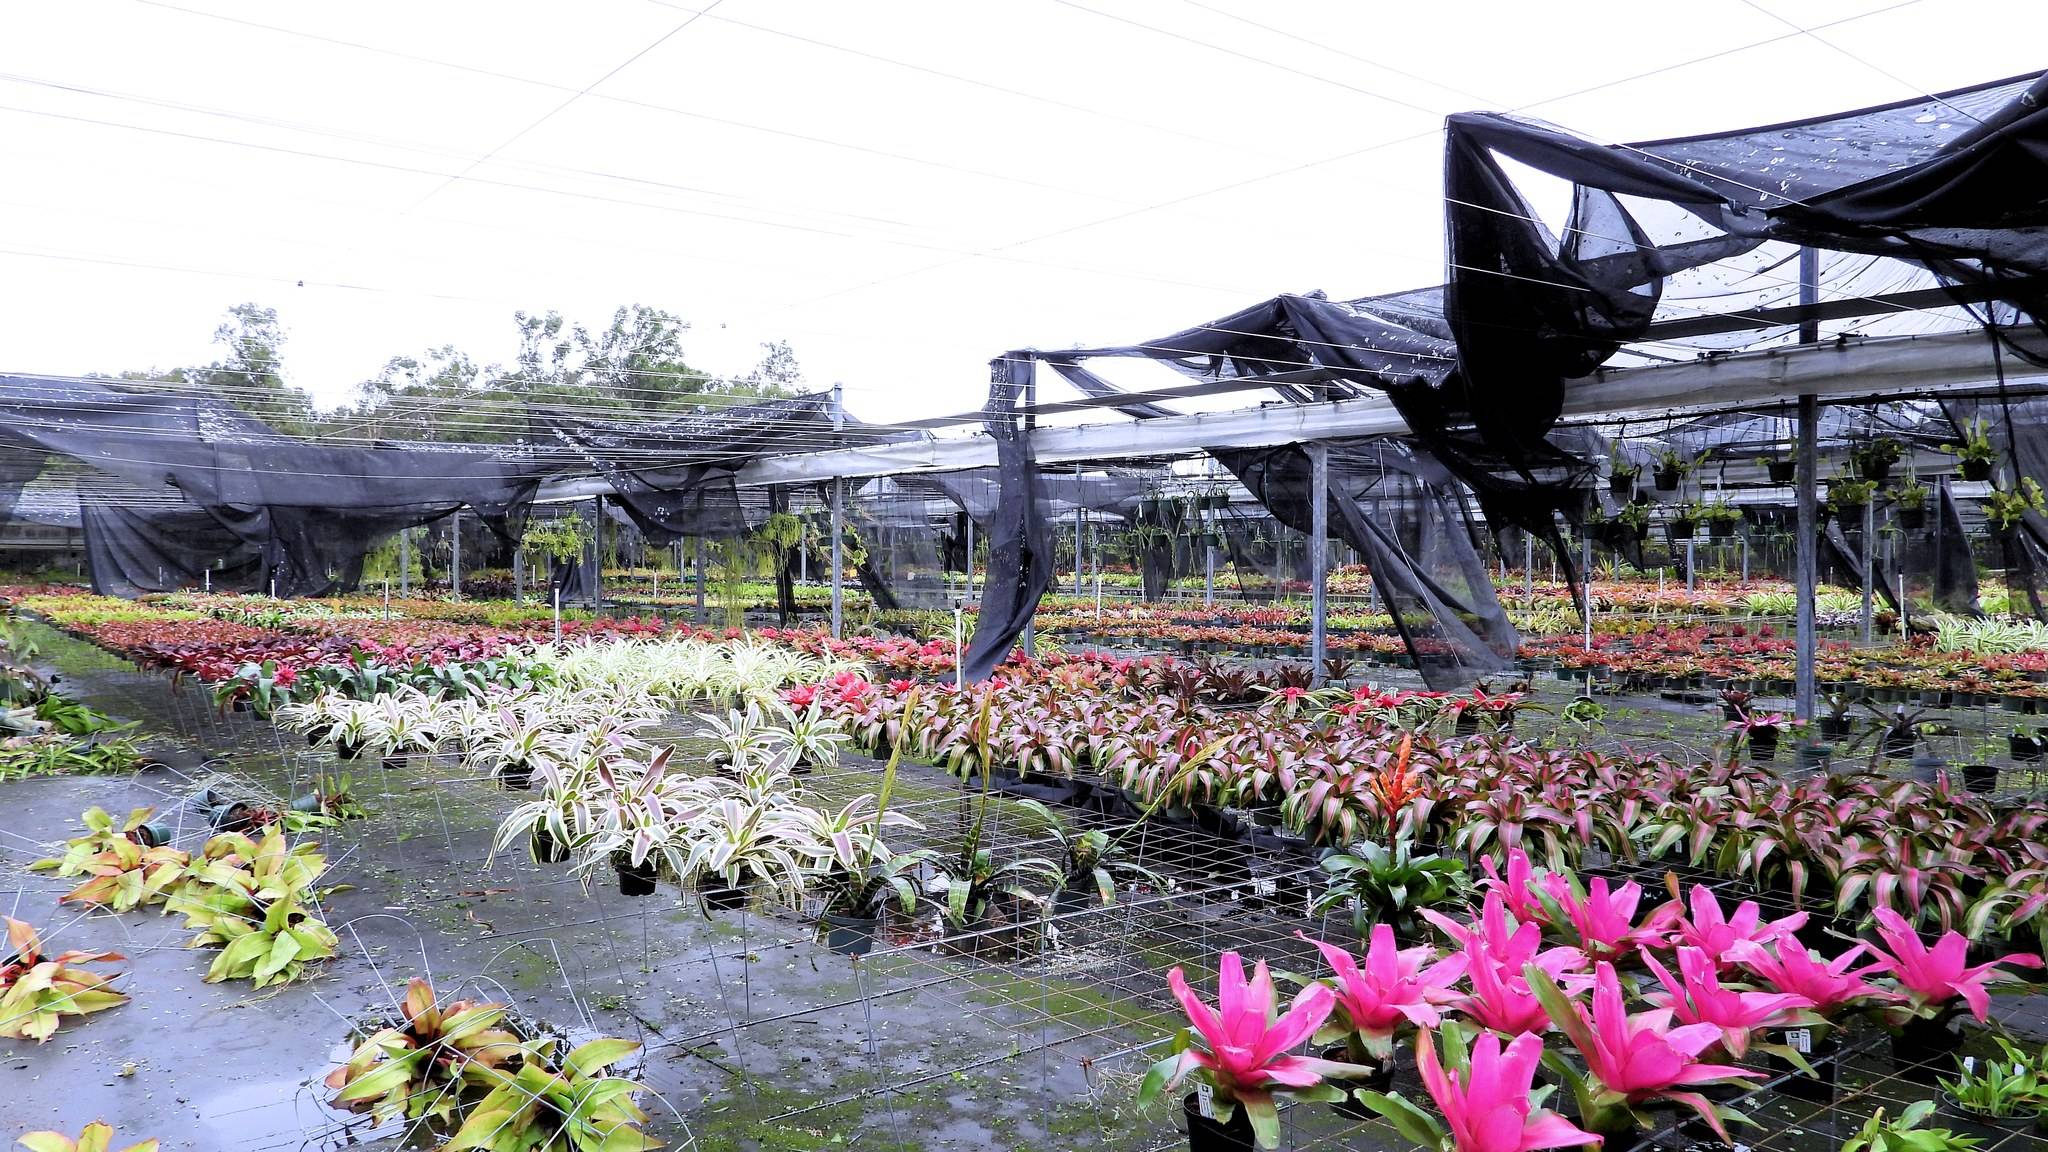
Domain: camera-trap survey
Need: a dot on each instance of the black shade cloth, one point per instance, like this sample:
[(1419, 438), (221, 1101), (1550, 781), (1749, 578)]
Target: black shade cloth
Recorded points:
[(675, 477), (1401, 510), (131, 551), (1020, 538), (312, 509)]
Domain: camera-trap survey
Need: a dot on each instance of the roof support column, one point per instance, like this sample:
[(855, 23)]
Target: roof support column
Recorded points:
[(1807, 562), (1319, 558), (455, 555)]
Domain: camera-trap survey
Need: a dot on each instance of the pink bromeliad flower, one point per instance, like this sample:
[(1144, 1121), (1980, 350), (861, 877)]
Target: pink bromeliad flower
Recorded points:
[(1634, 1059), (1487, 1105), (1395, 989), (1511, 942), (1604, 919), (1933, 977), (1714, 934), (1519, 887), (1700, 999), (1246, 1046), (1827, 985)]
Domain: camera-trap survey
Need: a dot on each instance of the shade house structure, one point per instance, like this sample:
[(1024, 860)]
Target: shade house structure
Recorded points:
[(1794, 290)]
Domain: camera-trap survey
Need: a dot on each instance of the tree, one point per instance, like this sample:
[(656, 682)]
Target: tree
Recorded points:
[(251, 373)]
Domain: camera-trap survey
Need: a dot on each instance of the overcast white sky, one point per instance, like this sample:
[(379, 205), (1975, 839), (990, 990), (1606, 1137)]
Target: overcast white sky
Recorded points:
[(902, 190)]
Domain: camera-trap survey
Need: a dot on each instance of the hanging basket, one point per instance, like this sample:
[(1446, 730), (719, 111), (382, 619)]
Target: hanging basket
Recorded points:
[(1782, 471), (1975, 469)]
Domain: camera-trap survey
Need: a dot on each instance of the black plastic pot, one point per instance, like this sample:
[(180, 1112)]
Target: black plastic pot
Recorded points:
[(721, 897), (1899, 746), (1980, 777), (1924, 1050), (1207, 1135), (1976, 469), (518, 777), (1782, 471), (346, 751), (545, 848), (634, 881), (1763, 743), (233, 816), (1912, 519), (1666, 479), (1621, 484), (1834, 727), (1823, 1055), (1720, 528), (850, 935), (1381, 1079), (1875, 470), (2024, 747), (1682, 528)]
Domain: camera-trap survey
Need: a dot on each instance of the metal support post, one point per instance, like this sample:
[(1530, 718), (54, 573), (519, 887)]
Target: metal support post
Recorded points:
[(1319, 558), (1806, 563), (1077, 529), (597, 552), (455, 556), (970, 556), (1529, 569), (702, 616), (838, 556), (405, 561), (1691, 563), (1869, 564), (1745, 559), (519, 575)]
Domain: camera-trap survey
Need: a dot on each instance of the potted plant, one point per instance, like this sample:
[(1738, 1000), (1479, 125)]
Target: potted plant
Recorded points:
[(1848, 496), (2005, 510), (1975, 455), (1488, 1099), (1092, 863), (1621, 476), (1760, 732), (420, 1066), (1779, 469), (1909, 500), (989, 907), (1835, 725), (1670, 467), (2025, 743), (2005, 1093), (1396, 992), (1633, 521), (1874, 460), (1238, 1055), (1683, 523), (1389, 884), (1936, 985), (1905, 1134), (1722, 519)]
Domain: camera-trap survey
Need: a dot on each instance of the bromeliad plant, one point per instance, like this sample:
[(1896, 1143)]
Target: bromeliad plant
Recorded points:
[(1389, 885), (1631, 1059), (38, 991), (1934, 979), (1396, 991), (422, 1068), (1905, 1134), (1245, 1048), (1093, 861), (1486, 1098), (247, 896), (98, 1136), (534, 1106), (124, 870)]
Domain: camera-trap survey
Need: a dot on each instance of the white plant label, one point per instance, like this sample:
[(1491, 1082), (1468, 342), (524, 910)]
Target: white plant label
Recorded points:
[(1800, 1040), (1205, 1101)]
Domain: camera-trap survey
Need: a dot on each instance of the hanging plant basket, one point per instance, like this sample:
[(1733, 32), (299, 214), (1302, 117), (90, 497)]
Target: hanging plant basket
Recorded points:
[(1721, 528), (1666, 479), (1976, 469), (1912, 519), (1682, 528), (1621, 483), (1782, 471)]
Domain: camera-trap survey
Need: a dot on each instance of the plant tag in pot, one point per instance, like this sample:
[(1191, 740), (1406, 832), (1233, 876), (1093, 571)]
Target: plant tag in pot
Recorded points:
[(1800, 1040), (1205, 1101)]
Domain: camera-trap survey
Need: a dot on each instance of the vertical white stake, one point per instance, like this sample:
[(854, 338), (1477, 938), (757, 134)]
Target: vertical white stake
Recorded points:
[(959, 646), (558, 614)]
